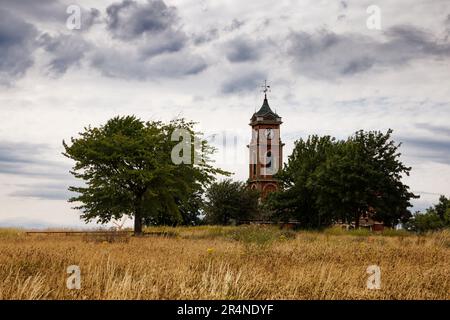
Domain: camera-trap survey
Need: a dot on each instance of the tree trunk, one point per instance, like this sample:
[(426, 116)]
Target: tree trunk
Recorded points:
[(137, 223)]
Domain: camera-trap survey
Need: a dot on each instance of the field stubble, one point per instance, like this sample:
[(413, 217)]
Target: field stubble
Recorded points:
[(227, 263)]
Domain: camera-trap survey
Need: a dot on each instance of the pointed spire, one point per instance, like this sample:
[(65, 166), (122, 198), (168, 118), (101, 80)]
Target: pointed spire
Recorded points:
[(265, 108), (265, 113)]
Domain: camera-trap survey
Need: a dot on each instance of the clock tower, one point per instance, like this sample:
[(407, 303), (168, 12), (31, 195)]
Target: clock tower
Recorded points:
[(265, 148)]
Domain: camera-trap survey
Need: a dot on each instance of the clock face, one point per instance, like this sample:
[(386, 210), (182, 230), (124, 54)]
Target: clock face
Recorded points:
[(269, 133)]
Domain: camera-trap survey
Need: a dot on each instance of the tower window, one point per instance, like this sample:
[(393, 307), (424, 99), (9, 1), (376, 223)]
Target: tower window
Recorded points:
[(269, 159)]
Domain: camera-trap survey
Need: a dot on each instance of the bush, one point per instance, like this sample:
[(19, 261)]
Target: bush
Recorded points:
[(395, 233), (426, 222), (261, 235), (335, 231), (10, 233), (228, 201), (435, 218)]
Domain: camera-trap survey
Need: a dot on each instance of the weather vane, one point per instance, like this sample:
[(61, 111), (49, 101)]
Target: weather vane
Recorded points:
[(266, 88)]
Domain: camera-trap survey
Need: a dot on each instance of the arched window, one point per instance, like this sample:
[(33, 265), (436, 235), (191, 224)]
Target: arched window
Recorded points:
[(269, 159)]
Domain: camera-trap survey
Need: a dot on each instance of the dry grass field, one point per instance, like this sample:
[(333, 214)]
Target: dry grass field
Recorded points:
[(227, 263)]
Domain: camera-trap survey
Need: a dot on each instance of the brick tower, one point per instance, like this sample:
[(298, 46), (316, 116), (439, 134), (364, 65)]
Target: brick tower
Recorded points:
[(265, 148)]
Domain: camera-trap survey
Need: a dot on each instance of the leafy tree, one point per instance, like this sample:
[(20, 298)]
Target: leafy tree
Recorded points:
[(434, 218), (127, 168), (191, 209), (298, 196), (364, 176), (227, 200), (442, 208), (423, 222), (326, 181)]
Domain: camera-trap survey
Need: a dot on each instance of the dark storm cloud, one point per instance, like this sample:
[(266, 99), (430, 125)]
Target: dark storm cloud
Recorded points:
[(118, 64), (50, 11), (43, 9), (153, 23), (436, 150), (89, 18), (243, 49), (66, 50), (438, 130), (447, 24), (130, 19), (215, 33), (326, 54), (205, 37), (52, 191), (25, 159), (17, 45), (342, 8), (19, 39), (155, 46), (164, 43), (148, 29), (243, 83), (235, 25)]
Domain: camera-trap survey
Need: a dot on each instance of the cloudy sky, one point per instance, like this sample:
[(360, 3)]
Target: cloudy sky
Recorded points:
[(206, 60)]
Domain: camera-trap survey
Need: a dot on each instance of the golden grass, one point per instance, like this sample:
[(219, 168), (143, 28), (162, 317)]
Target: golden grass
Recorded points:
[(227, 263)]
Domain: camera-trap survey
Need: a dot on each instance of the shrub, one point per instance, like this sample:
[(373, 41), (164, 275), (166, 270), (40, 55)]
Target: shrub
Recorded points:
[(261, 235)]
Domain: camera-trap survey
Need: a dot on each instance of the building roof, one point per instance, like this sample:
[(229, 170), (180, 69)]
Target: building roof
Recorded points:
[(265, 113)]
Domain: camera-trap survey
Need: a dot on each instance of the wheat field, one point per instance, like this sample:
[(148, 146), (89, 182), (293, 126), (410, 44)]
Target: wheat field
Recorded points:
[(227, 263)]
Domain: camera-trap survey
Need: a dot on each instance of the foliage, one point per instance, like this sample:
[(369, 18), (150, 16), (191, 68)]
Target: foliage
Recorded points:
[(297, 198), (435, 218), (261, 235), (326, 180), (127, 169), (230, 200), (11, 233)]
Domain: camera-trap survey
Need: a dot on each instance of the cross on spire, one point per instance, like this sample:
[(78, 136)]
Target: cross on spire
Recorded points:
[(266, 89)]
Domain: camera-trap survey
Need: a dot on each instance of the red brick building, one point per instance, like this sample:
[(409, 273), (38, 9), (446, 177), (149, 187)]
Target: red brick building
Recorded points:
[(265, 149)]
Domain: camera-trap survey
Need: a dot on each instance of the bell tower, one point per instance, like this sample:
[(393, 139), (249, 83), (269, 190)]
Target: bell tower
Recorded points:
[(265, 148)]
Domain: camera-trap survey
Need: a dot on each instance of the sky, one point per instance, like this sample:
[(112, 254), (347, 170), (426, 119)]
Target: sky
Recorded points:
[(330, 72)]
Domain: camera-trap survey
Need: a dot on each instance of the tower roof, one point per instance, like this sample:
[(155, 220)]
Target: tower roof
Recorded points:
[(265, 113)]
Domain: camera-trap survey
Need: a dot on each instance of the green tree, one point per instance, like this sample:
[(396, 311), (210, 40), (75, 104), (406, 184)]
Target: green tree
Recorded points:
[(326, 181), (227, 200), (364, 175), (192, 208), (298, 196), (434, 218), (442, 208), (127, 168)]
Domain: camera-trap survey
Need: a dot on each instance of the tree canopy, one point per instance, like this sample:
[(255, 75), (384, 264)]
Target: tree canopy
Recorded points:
[(230, 200), (328, 180), (127, 168), (434, 218)]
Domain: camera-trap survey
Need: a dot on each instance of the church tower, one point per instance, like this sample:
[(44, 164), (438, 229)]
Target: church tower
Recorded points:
[(265, 148)]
